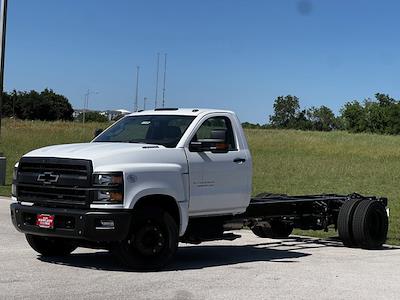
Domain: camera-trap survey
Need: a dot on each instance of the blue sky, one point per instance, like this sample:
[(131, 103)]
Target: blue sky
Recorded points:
[(234, 54)]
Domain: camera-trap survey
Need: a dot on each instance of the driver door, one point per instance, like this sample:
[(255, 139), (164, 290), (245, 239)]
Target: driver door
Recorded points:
[(217, 183)]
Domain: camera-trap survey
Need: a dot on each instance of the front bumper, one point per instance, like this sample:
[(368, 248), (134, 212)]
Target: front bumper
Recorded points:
[(73, 223)]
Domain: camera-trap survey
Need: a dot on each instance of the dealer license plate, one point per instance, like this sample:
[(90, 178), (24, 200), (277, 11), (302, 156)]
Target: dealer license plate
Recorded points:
[(45, 221)]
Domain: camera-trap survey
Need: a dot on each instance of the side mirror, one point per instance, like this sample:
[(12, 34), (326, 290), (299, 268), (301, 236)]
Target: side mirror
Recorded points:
[(97, 132), (216, 144)]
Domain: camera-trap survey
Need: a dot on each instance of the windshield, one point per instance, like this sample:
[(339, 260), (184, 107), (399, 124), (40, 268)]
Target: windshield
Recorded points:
[(157, 129)]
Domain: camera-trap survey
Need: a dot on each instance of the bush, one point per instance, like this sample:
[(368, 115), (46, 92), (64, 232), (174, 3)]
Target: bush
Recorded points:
[(92, 116), (46, 106)]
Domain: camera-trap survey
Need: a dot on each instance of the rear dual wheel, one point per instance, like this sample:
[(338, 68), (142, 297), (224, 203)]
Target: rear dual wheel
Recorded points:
[(363, 223), (345, 222)]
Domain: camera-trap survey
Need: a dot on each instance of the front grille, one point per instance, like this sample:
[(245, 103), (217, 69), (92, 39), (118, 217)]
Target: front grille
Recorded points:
[(56, 182)]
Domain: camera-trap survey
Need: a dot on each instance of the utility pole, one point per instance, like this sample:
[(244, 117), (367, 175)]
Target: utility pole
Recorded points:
[(165, 76), (144, 103), (135, 108), (86, 103), (158, 71), (4, 4)]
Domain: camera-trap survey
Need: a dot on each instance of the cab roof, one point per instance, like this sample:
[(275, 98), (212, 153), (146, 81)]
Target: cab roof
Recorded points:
[(180, 111)]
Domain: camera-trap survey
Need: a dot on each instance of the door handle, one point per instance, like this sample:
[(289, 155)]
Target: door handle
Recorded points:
[(239, 160)]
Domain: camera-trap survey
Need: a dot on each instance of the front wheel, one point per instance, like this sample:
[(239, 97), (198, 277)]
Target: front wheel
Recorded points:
[(153, 240), (48, 246)]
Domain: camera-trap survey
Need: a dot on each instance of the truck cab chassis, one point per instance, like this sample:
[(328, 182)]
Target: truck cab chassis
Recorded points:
[(157, 178)]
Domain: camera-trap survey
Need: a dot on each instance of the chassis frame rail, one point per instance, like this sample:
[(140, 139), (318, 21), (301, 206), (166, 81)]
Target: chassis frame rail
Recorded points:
[(305, 212)]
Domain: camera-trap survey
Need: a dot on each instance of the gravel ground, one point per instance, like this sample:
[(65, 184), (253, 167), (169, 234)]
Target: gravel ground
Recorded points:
[(247, 268)]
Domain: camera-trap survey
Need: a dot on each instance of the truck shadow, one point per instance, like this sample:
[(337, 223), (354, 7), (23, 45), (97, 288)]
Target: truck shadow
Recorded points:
[(190, 257), (203, 256), (187, 257)]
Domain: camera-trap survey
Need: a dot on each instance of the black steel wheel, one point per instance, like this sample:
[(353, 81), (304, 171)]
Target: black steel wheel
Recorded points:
[(48, 246), (370, 224), (345, 222), (153, 240)]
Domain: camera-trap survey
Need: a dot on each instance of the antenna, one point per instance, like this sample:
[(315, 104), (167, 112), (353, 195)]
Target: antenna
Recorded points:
[(158, 71), (135, 108), (165, 77)]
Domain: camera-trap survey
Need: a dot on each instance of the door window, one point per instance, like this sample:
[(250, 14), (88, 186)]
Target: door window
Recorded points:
[(216, 123)]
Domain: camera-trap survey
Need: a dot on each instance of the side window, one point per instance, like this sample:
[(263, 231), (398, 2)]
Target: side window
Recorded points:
[(215, 123)]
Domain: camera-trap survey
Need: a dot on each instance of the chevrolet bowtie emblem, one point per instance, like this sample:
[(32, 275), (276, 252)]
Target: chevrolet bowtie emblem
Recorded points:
[(48, 178)]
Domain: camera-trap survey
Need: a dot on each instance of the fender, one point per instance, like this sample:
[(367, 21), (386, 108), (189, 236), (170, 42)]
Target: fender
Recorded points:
[(143, 180)]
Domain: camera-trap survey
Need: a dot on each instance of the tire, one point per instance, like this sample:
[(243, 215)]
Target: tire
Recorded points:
[(370, 224), (48, 246), (345, 222), (152, 243), (277, 229)]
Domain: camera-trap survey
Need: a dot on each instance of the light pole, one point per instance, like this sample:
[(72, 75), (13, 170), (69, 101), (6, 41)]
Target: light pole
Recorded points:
[(157, 73), (3, 162), (4, 4), (144, 103), (165, 78), (86, 103), (136, 106)]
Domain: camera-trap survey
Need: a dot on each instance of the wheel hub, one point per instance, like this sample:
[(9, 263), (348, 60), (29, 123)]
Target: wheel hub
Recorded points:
[(149, 240)]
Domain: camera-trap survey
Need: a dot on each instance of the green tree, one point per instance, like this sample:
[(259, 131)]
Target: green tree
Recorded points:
[(251, 125), (394, 119), (32, 105), (301, 121), (60, 108), (322, 118), (286, 110), (384, 99), (353, 115), (376, 116)]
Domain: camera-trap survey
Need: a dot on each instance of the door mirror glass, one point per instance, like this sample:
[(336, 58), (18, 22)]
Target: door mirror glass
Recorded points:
[(216, 143)]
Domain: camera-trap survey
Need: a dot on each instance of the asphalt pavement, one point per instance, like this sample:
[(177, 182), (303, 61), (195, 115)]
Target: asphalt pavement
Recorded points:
[(247, 268)]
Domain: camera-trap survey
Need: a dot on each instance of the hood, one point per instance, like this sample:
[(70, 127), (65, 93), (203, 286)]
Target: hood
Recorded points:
[(90, 151), (108, 154)]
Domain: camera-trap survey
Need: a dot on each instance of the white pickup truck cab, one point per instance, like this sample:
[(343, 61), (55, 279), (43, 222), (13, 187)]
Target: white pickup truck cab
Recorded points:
[(150, 180)]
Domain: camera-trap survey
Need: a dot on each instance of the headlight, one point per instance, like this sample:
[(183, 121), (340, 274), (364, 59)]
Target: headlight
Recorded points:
[(110, 188), (14, 181), (110, 179), (111, 197), (15, 172)]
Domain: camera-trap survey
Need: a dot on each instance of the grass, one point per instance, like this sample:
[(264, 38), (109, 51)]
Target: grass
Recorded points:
[(295, 162), (20, 137), (284, 161)]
